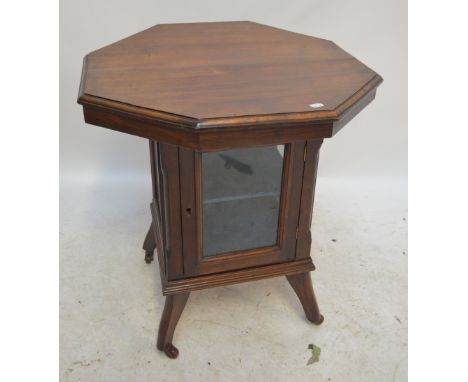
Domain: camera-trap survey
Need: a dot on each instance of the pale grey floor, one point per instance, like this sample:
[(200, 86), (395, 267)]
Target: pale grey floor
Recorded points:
[(110, 300)]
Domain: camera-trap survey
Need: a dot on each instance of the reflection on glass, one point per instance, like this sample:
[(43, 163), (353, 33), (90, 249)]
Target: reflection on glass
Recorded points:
[(241, 198)]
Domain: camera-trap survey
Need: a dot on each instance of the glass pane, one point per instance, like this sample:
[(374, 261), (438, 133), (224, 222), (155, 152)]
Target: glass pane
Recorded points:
[(241, 198)]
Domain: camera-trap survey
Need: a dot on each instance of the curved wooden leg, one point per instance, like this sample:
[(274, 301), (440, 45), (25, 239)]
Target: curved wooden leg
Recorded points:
[(149, 245), (302, 285), (173, 308)]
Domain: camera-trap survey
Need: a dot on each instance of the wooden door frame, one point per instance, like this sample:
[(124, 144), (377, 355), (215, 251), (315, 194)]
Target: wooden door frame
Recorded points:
[(191, 191)]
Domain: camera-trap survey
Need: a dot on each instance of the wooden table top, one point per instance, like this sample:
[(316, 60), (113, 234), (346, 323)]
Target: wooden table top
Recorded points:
[(225, 73)]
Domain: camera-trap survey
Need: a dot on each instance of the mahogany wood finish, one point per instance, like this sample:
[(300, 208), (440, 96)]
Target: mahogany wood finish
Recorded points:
[(194, 262), (302, 285), (304, 236), (255, 69), (239, 276), (173, 308), (201, 85), (207, 87), (149, 245)]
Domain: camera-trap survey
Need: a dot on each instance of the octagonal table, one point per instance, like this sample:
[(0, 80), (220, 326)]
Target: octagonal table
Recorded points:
[(235, 114)]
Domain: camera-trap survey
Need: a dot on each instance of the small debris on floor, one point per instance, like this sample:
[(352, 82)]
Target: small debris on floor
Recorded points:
[(404, 218), (86, 363), (209, 363), (396, 318), (315, 354), (334, 240), (404, 253), (268, 294)]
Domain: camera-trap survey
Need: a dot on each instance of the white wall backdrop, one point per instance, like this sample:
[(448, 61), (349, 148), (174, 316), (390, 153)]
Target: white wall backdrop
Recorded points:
[(374, 31)]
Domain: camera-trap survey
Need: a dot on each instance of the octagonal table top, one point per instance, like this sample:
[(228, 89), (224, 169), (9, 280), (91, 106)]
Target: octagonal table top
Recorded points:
[(203, 75)]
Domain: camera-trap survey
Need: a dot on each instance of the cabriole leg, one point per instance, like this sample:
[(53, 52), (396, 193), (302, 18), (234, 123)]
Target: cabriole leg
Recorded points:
[(302, 285), (149, 245), (173, 308)]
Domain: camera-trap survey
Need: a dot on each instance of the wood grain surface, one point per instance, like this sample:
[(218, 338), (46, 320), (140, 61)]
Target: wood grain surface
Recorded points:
[(205, 75)]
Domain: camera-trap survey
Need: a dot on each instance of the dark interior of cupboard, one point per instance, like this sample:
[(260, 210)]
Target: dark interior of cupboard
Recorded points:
[(241, 198)]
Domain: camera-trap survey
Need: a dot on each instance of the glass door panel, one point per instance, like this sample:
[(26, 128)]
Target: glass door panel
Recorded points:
[(241, 198)]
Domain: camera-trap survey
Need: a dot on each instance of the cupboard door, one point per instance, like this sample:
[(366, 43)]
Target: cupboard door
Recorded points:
[(240, 208)]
